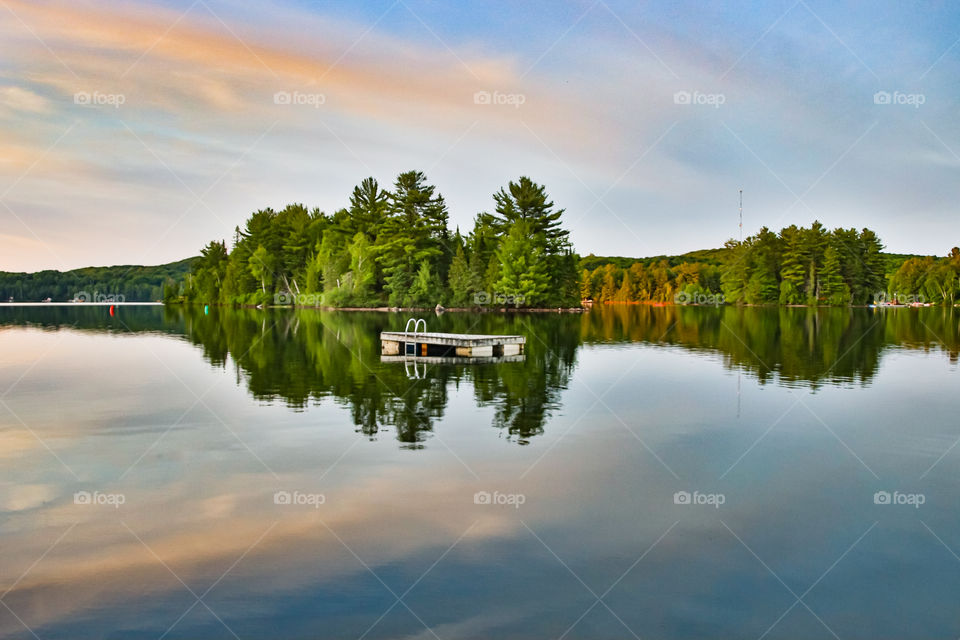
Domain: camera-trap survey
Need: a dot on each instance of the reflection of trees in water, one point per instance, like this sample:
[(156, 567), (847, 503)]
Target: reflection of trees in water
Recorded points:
[(302, 357), (524, 395), (97, 318), (794, 346)]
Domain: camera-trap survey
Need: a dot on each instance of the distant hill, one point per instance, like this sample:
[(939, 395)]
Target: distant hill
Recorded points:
[(137, 283), (713, 257), (133, 282), (706, 256)]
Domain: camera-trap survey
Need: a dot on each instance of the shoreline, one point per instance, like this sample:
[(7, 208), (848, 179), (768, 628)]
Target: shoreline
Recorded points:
[(584, 309), (417, 309)]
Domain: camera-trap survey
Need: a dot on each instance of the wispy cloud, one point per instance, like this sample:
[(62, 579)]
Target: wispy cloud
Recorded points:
[(168, 102)]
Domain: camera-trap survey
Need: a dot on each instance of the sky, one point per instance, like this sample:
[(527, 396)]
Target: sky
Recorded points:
[(135, 132)]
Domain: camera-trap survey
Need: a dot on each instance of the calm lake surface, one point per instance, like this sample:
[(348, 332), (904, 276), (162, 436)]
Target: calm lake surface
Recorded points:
[(251, 474)]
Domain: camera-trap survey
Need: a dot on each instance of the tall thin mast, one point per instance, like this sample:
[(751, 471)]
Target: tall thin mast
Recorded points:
[(739, 372)]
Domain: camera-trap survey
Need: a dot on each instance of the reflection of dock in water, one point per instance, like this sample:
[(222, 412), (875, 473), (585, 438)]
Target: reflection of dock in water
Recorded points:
[(454, 359), (453, 346)]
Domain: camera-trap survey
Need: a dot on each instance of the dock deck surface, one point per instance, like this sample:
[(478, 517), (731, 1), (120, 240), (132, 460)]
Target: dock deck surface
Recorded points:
[(431, 343), (453, 359), (452, 339)]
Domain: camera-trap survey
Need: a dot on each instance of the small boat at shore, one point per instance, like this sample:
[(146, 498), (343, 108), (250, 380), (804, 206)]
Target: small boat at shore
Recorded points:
[(892, 305)]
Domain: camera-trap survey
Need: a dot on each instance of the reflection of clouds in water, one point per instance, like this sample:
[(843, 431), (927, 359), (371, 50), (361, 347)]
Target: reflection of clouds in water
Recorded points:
[(597, 497), (200, 516), (199, 536), (473, 627)]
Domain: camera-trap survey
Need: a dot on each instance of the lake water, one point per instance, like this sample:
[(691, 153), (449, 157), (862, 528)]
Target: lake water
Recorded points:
[(651, 472)]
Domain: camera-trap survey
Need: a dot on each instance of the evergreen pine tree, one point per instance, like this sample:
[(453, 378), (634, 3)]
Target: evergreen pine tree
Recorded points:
[(833, 290), (523, 277), (874, 270), (461, 280), (793, 266)]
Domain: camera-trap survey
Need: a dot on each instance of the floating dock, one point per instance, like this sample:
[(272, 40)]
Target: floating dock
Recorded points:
[(453, 359), (449, 345)]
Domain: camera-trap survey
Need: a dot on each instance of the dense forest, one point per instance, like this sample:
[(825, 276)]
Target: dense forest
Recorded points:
[(930, 279), (95, 284), (394, 248), (800, 266)]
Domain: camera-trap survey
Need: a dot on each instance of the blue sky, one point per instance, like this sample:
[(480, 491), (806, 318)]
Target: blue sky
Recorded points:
[(134, 132)]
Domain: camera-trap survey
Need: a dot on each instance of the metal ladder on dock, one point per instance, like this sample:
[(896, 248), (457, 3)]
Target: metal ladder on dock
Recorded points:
[(410, 348), (407, 345)]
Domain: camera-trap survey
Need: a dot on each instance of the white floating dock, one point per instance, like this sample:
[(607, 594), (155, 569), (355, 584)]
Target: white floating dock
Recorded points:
[(453, 359), (464, 345)]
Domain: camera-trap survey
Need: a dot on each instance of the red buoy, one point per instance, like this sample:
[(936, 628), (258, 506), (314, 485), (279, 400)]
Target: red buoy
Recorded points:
[(111, 309)]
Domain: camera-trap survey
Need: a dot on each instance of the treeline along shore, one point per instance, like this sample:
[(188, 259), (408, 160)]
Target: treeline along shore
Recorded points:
[(797, 266), (393, 248)]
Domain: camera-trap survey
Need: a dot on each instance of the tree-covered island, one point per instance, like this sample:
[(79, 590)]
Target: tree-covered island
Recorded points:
[(394, 248)]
